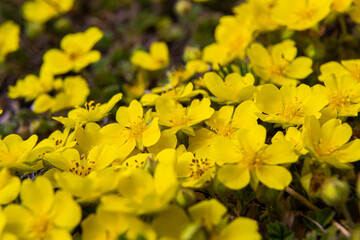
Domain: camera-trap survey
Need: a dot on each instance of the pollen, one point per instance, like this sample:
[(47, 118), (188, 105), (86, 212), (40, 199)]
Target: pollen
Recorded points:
[(81, 167), (198, 167), (339, 99)]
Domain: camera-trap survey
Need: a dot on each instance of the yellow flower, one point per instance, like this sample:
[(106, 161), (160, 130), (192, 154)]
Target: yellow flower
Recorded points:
[(252, 157), (330, 142), (260, 13), (295, 137), (234, 89), (74, 91), (334, 69), (208, 213), (234, 33), (193, 170), (132, 129), (75, 53), (33, 86), (355, 13), (279, 64), (289, 104), (99, 157), (57, 142), (299, 14), (180, 93), (343, 95), (40, 11), (9, 38), (170, 223), (341, 5), (217, 54), (166, 140), (174, 115), (3, 234), (157, 58), (113, 225), (90, 187), (17, 153), (91, 112), (9, 187), (141, 193), (225, 122), (42, 214), (249, 230)]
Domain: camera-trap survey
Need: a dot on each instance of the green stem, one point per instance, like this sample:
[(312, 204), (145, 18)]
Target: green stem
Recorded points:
[(311, 206)]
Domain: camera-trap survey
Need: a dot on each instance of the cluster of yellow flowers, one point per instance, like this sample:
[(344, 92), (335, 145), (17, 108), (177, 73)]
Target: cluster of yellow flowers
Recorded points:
[(137, 177)]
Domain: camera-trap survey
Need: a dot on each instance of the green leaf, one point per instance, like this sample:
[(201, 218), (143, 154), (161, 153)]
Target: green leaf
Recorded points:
[(323, 217), (279, 231)]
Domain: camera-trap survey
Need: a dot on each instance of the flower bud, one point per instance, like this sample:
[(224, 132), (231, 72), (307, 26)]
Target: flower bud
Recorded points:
[(334, 192), (183, 7), (191, 53)]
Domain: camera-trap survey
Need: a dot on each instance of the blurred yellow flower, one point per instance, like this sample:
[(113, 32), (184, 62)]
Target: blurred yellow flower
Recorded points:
[(40, 11), (260, 13), (157, 58), (299, 14), (75, 53), (279, 64), (9, 38), (106, 225), (42, 214), (140, 192), (17, 153), (33, 86), (9, 187), (74, 90)]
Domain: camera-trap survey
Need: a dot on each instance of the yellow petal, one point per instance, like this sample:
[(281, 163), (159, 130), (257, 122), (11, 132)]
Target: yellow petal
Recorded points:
[(171, 222), (275, 177), (234, 176), (223, 150), (57, 61), (9, 187), (241, 228), (208, 213), (252, 139), (37, 195), (43, 103), (66, 213), (152, 133), (350, 152)]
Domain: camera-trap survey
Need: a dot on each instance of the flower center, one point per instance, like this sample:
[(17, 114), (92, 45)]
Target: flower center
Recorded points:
[(277, 70), (89, 106), (306, 13), (198, 167), (323, 148), (81, 167), (178, 116), (137, 127), (291, 109), (253, 159), (41, 226), (222, 129), (339, 99)]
